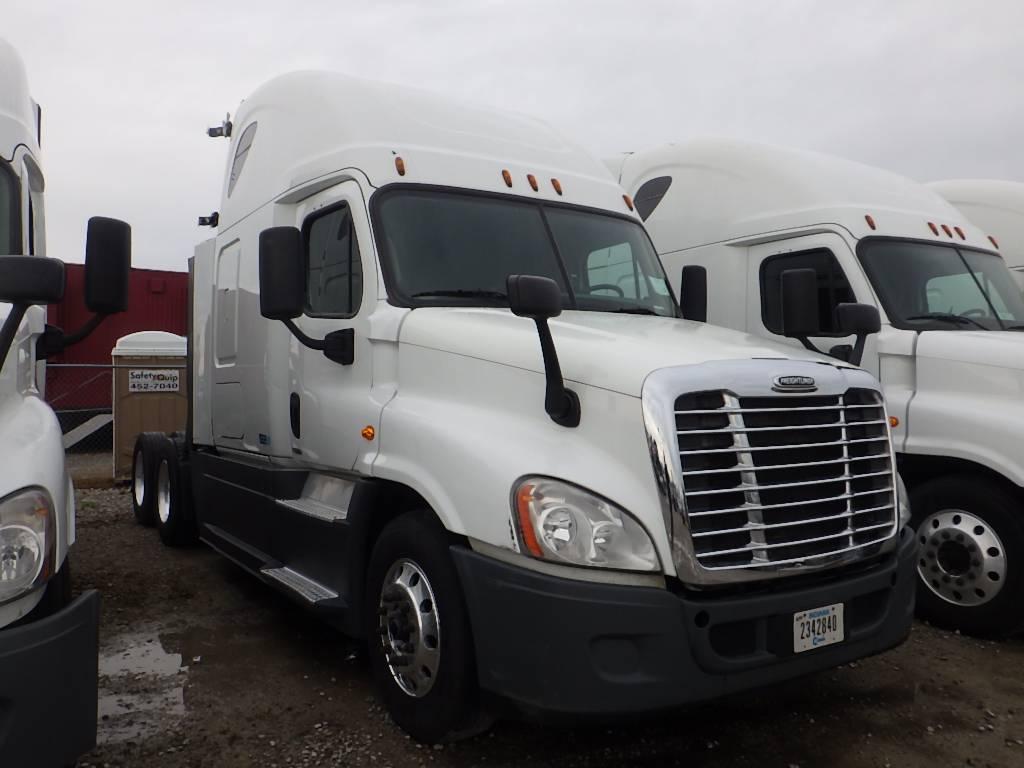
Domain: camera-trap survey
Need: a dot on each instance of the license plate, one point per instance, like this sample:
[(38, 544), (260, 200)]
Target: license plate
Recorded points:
[(817, 627)]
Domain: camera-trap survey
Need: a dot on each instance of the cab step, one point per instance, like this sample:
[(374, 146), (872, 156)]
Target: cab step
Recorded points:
[(311, 591)]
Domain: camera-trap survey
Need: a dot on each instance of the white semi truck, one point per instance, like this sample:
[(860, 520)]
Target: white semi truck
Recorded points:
[(950, 352), (48, 641), (997, 208), (425, 403)]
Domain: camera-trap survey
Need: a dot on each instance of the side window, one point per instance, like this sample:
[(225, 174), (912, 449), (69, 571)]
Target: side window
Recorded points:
[(241, 153), (649, 195), (334, 276), (10, 211), (833, 288)]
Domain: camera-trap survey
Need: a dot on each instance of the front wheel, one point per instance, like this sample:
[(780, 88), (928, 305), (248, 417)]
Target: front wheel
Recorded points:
[(419, 641), (971, 566)]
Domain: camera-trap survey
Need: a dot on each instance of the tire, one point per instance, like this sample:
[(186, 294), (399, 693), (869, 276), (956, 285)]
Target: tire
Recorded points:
[(170, 504), (144, 477), (971, 566), (411, 574)]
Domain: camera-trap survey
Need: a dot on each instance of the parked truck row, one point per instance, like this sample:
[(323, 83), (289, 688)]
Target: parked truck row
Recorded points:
[(443, 391)]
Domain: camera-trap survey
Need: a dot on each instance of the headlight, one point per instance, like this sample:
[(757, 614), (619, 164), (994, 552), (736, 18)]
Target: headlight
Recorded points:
[(561, 522), (903, 498), (27, 542)]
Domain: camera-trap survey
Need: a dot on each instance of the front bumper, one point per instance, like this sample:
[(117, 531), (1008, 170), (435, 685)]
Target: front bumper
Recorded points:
[(48, 680), (560, 645)]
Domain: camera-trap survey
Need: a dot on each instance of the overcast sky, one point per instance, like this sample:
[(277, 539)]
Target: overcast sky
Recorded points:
[(928, 88)]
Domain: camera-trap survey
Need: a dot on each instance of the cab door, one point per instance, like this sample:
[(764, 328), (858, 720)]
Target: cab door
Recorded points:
[(840, 280), (330, 403)]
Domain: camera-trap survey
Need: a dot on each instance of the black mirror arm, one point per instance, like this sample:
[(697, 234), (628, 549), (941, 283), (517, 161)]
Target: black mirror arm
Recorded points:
[(858, 349), (560, 403), (54, 341), (338, 346), (807, 344), (10, 328)]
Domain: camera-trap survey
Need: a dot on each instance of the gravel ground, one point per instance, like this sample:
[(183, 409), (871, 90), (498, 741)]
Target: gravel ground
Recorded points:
[(202, 665)]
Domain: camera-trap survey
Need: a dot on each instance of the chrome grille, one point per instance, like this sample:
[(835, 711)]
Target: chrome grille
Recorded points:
[(780, 480)]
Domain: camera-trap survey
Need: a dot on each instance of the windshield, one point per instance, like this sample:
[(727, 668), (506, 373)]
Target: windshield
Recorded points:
[(10, 211), (938, 287), (457, 249)]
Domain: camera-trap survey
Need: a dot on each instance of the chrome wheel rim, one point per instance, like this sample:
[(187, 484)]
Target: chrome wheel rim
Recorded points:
[(962, 560), (139, 479), (163, 492), (410, 631)]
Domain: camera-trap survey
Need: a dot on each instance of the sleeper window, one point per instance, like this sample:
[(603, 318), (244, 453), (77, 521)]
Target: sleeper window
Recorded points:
[(833, 288), (241, 153), (334, 283)]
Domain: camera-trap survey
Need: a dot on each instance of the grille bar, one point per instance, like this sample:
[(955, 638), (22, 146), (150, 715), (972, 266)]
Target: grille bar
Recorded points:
[(797, 560), (754, 546), (789, 447), (781, 479), (746, 508), (773, 526), (779, 486), (790, 466)]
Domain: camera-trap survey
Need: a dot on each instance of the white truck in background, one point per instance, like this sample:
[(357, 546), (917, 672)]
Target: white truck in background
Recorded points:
[(949, 354), (424, 403), (48, 640), (997, 208)]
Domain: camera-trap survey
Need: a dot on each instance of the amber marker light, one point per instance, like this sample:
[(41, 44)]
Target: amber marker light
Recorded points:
[(894, 421), (533, 181), (947, 230), (523, 498), (400, 166), (558, 186), (507, 177), (933, 228), (959, 232), (629, 201), (993, 241), (368, 433), (870, 220)]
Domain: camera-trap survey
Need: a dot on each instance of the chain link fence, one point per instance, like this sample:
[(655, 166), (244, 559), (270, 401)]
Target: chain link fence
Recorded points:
[(82, 396)]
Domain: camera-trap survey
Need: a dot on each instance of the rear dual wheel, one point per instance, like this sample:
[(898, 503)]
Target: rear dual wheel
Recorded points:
[(160, 488), (144, 457)]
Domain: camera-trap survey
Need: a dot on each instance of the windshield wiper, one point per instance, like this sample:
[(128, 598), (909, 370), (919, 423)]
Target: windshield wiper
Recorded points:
[(461, 293), (948, 317), (635, 311)]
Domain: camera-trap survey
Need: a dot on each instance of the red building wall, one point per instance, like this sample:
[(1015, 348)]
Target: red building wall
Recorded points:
[(157, 301)]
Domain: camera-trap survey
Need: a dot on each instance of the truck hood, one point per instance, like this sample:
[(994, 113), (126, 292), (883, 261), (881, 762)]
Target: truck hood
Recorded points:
[(611, 351), (999, 349)]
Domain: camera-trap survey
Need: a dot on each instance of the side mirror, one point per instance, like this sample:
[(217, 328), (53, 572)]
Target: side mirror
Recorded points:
[(283, 292), (108, 262), (540, 299), (533, 296), (31, 280), (26, 280), (800, 305), (693, 293), (861, 320), (282, 274)]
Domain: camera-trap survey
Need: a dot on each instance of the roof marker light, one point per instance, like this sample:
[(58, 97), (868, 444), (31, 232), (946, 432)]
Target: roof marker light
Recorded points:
[(533, 181), (629, 201), (933, 228), (993, 241), (400, 166), (507, 177), (557, 185), (960, 233), (947, 230), (870, 220)]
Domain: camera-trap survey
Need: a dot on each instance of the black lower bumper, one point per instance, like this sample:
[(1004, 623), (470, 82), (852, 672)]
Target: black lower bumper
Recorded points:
[(48, 679), (561, 645)]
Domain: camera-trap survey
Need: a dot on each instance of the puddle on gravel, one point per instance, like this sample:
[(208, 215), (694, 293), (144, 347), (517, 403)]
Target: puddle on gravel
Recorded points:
[(141, 688)]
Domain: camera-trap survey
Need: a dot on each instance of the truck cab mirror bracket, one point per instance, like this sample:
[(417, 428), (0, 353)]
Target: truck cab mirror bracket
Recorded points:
[(862, 320), (283, 292), (540, 299)]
